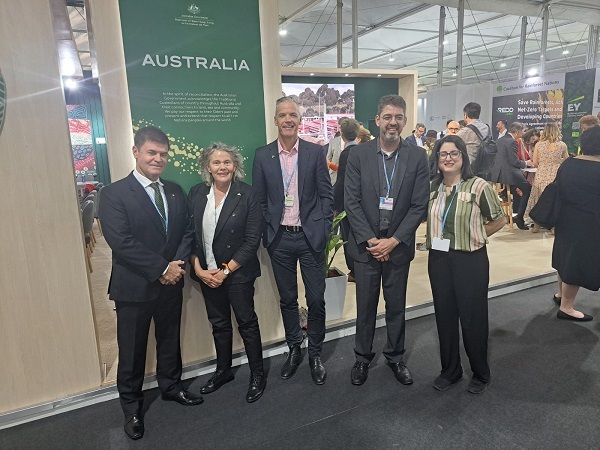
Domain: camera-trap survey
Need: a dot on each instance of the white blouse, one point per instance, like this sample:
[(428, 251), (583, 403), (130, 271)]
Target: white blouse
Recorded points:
[(209, 225)]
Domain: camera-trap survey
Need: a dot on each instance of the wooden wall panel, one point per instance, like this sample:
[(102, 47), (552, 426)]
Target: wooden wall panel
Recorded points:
[(47, 339)]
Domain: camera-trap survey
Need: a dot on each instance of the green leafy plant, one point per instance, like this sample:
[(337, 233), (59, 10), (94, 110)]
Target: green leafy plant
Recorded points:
[(334, 242)]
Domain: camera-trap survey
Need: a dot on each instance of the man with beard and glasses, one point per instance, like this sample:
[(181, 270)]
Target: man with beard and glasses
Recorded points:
[(386, 192)]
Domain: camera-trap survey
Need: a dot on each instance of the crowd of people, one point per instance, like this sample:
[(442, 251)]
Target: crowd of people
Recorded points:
[(387, 187)]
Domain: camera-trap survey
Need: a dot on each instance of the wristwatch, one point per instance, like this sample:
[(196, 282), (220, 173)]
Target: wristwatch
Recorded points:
[(226, 270)]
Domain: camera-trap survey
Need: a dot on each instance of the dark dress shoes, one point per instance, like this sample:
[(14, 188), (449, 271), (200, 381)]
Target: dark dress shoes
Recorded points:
[(257, 386), (520, 223), (317, 370), (477, 386), (443, 384), (134, 426), (291, 363), (401, 372), (219, 378), (565, 316), (359, 373), (184, 398)]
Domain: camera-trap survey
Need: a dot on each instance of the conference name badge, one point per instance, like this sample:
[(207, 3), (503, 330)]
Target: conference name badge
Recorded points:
[(289, 200), (442, 245), (386, 203)]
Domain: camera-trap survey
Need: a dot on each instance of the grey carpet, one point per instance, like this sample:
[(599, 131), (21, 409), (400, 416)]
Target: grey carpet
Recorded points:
[(545, 393)]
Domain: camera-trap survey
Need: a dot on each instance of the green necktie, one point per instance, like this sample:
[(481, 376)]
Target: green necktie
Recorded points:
[(160, 204)]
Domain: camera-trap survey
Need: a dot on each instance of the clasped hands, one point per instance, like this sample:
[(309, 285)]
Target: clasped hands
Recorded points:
[(174, 273), (380, 249), (212, 277)]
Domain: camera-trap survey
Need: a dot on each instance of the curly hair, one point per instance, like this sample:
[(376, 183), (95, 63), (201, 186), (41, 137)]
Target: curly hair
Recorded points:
[(234, 153), (551, 133)]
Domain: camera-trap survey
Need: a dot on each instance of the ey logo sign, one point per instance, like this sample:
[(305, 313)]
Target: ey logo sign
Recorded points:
[(573, 106)]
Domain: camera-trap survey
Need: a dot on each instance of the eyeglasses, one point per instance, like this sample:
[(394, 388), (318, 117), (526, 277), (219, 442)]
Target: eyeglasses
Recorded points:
[(389, 117), (454, 154), (453, 129)]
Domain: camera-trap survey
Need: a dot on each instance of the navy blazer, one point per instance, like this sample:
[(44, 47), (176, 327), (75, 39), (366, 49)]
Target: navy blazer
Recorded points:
[(507, 165), (238, 231), (141, 250), (361, 199), (314, 190), (412, 140)]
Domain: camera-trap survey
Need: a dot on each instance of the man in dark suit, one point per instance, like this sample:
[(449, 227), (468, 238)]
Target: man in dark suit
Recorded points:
[(418, 137), (386, 192), (508, 168), (291, 179), (146, 224), (349, 132)]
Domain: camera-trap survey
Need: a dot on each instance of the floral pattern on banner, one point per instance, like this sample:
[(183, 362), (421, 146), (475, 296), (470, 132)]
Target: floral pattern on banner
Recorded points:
[(81, 141)]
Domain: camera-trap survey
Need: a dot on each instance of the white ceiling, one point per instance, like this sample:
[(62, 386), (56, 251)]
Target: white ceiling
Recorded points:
[(409, 31)]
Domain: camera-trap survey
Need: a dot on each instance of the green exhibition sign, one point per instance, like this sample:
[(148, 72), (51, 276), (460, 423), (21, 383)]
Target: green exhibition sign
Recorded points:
[(195, 71), (579, 101)]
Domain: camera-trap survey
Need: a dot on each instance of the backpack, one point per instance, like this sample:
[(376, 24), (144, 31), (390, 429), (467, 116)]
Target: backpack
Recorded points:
[(486, 154)]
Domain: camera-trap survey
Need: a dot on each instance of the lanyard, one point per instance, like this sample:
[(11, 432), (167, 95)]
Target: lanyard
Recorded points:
[(289, 181), (445, 216), (389, 180)]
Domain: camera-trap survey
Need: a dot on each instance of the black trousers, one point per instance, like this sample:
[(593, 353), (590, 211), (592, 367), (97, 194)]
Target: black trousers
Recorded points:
[(133, 325), (219, 303), (459, 283), (345, 232), (393, 278), (520, 202), (286, 251)]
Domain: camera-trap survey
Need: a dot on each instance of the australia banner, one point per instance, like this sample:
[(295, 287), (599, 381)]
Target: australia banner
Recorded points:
[(195, 71)]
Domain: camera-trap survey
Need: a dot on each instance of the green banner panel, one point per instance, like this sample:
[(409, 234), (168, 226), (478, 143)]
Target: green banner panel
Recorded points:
[(579, 100), (195, 71)]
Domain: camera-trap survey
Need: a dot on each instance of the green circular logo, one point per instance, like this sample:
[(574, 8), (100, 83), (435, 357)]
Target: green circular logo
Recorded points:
[(2, 101), (499, 89)]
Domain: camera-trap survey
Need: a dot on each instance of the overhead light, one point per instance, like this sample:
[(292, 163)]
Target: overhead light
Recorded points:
[(445, 42), (391, 57), (70, 83), (312, 74), (454, 74), (346, 74), (532, 72), (565, 52), (68, 68), (282, 32), (502, 64), (379, 75)]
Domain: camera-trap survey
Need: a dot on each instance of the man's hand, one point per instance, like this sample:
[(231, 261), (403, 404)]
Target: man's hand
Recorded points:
[(174, 273), (382, 249)]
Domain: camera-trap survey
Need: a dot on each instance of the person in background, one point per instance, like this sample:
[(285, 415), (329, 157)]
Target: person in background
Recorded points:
[(418, 136), (291, 179), (507, 169), (587, 122), (228, 225), (501, 126), (146, 224), (576, 251), (349, 129), (462, 123), (453, 127), (472, 111), (385, 197), (463, 212), (334, 149), (548, 155), (430, 138), (444, 132), (363, 136)]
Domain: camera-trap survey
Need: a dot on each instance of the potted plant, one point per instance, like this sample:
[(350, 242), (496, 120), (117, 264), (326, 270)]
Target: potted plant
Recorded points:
[(336, 280)]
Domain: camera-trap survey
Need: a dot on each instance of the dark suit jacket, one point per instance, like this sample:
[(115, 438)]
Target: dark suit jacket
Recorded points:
[(338, 187), (412, 140), (507, 166), (314, 189), (361, 199), (140, 248), (238, 231)]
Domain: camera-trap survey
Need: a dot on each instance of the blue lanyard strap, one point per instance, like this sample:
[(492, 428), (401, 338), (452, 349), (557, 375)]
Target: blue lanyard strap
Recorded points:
[(444, 217), (389, 180), (289, 181)]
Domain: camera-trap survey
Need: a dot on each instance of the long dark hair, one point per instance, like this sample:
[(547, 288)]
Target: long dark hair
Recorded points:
[(465, 171)]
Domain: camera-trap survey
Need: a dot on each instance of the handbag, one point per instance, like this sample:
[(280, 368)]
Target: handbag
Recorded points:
[(547, 209)]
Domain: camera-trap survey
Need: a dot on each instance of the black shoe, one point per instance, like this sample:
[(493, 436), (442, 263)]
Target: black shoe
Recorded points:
[(520, 223), (401, 372), (291, 363), (565, 316), (443, 384), (219, 378), (184, 398), (556, 299), (257, 386), (134, 426), (359, 373), (317, 370), (477, 386)]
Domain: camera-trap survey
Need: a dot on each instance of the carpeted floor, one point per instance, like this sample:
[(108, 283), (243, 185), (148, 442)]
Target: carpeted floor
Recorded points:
[(545, 393)]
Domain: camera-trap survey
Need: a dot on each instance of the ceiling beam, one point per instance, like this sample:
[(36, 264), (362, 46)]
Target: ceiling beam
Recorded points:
[(283, 21), (368, 30)]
